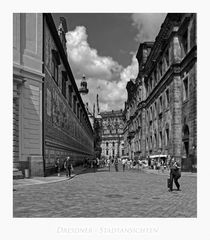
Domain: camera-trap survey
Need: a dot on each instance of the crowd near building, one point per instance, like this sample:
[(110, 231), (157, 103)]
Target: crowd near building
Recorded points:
[(160, 111), (49, 117), (112, 134)]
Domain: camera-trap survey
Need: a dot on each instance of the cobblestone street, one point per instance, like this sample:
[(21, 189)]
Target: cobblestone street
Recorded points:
[(107, 194)]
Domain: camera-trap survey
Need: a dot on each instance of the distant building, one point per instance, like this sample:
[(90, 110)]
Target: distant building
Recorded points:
[(160, 112), (50, 119), (112, 134)]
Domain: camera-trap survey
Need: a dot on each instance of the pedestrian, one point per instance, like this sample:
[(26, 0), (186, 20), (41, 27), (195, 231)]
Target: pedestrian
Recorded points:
[(94, 165), (129, 163), (108, 164), (162, 166), (124, 160), (68, 166), (97, 162), (116, 164), (175, 174), (58, 166), (140, 164)]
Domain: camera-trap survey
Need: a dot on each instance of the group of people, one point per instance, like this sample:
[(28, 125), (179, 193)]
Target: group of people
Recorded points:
[(173, 165), (68, 166)]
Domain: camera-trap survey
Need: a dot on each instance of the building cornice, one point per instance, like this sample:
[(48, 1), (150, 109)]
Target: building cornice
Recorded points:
[(24, 73)]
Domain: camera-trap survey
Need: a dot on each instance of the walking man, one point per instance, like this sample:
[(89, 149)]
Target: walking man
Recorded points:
[(68, 166), (123, 163), (116, 164), (175, 174), (109, 163)]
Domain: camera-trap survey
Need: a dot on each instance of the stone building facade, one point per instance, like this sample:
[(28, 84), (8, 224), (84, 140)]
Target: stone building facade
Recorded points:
[(50, 119), (160, 112), (112, 134), (27, 90)]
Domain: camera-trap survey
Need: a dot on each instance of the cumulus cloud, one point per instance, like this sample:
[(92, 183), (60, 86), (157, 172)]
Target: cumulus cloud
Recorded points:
[(148, 25), (84, 59), (105, 76)]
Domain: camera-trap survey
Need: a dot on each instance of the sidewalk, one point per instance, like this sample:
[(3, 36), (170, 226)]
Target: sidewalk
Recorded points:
[(43, 180)]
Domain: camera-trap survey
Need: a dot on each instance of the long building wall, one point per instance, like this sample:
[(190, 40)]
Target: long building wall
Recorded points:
[(67, 131), (45, 124)]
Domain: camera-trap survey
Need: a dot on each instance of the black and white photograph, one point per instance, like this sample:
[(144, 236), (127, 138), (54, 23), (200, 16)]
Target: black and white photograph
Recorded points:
[(104, 111), (104, 114)]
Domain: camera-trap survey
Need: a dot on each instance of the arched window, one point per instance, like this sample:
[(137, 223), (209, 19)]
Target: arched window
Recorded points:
[(155, 110), (155, 140), (160, 139), (160, 106), (167, 134)]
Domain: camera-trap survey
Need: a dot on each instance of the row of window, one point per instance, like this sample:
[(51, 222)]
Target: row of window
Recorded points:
[(113, 152), (72, 99), (155, 141), (157, 108), (159, 70)]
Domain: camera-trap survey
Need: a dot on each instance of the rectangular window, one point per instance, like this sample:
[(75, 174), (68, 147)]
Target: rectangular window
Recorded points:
[(161, 68), (155, 75), (185, 89), (78, 110), (167, 57), (55, 70), (64, 79), (107, 152), (123, 152), (167, 99), (113, 152), (185, 41), (113, 144), (80, 115), (74, 104), (70, 95), (160, 106), (55, 63)]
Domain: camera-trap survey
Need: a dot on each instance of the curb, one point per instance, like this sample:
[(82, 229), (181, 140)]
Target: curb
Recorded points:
[(53, 181)]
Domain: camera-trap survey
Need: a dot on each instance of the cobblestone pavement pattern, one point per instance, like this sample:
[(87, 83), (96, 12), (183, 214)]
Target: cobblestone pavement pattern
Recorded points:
[(108, 194)]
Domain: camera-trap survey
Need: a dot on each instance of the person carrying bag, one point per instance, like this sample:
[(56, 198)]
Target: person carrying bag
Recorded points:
[(175, 174)]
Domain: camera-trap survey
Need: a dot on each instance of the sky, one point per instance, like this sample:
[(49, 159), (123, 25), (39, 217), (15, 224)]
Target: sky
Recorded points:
[(103, 46)]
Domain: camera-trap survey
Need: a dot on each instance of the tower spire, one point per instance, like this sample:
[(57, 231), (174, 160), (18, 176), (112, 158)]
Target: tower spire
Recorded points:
[(98, 110), (83, 86)]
